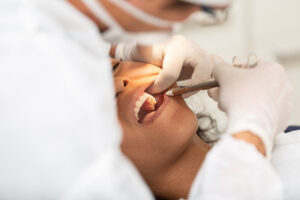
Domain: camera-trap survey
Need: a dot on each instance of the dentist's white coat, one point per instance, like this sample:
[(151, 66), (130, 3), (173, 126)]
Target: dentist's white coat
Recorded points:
[(59, 134), (59, 137)]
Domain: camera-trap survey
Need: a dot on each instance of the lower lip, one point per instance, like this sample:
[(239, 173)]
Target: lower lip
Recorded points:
[(153, 115)]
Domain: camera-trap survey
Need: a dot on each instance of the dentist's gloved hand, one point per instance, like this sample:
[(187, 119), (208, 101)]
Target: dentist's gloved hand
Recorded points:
[(255, 99), (177, 57)]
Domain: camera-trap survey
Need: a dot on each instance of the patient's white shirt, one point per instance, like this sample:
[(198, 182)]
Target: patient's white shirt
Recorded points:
[(245, 174)]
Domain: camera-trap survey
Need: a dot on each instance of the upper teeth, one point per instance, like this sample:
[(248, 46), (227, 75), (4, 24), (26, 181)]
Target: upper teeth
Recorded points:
[(141, 101)]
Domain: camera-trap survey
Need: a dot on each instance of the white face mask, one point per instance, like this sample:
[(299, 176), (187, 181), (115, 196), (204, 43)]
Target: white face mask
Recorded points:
[(116, 34)]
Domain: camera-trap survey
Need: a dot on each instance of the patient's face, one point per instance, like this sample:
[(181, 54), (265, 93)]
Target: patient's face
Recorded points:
[(156, 129)]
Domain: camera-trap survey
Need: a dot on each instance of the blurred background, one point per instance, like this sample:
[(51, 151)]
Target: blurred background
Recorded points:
[(268, 28)]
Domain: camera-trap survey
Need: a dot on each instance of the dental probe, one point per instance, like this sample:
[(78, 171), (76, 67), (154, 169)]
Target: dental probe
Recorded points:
[(191, 88)]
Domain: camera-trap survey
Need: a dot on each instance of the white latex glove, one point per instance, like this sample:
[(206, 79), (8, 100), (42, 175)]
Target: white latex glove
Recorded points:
[(176, 56), (255, 99)]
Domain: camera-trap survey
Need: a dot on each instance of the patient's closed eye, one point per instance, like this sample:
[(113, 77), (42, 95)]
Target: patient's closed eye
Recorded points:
[(116, 65)]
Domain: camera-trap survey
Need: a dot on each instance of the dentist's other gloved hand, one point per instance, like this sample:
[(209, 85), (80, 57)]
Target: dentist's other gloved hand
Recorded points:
[(178, 58), (255, 99)]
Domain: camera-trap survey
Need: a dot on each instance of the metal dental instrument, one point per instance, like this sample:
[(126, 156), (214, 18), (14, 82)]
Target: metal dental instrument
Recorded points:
[(251, 63), (191, 88)]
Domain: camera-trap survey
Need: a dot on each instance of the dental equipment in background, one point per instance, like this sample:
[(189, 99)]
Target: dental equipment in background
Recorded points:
[(236, 61)]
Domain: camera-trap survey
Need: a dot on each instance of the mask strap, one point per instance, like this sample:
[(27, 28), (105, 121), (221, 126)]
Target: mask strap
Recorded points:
[(101, 13), (141, 15)]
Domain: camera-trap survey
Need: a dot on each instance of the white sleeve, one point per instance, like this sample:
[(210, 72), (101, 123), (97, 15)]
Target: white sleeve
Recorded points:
[(234, 169)]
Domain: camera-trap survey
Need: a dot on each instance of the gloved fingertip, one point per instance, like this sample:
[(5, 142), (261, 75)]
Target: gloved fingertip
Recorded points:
[(214, 94), (153, 90)]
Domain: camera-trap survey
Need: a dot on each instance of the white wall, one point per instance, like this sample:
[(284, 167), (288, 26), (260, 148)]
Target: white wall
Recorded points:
[(269, 28)]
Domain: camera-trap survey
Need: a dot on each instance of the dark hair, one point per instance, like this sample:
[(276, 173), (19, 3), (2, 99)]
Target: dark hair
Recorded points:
[(207, 129)]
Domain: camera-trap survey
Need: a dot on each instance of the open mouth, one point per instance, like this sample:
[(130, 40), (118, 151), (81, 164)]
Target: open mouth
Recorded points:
[(147, 105)]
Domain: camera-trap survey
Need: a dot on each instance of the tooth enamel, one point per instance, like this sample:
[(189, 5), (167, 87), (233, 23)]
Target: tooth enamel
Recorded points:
[(141, 101)]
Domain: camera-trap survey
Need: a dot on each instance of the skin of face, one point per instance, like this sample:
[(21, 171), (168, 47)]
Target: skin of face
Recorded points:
[(155, 147)]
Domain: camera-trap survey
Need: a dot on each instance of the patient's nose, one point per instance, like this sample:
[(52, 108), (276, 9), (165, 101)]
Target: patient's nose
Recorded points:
[(121, 83)]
